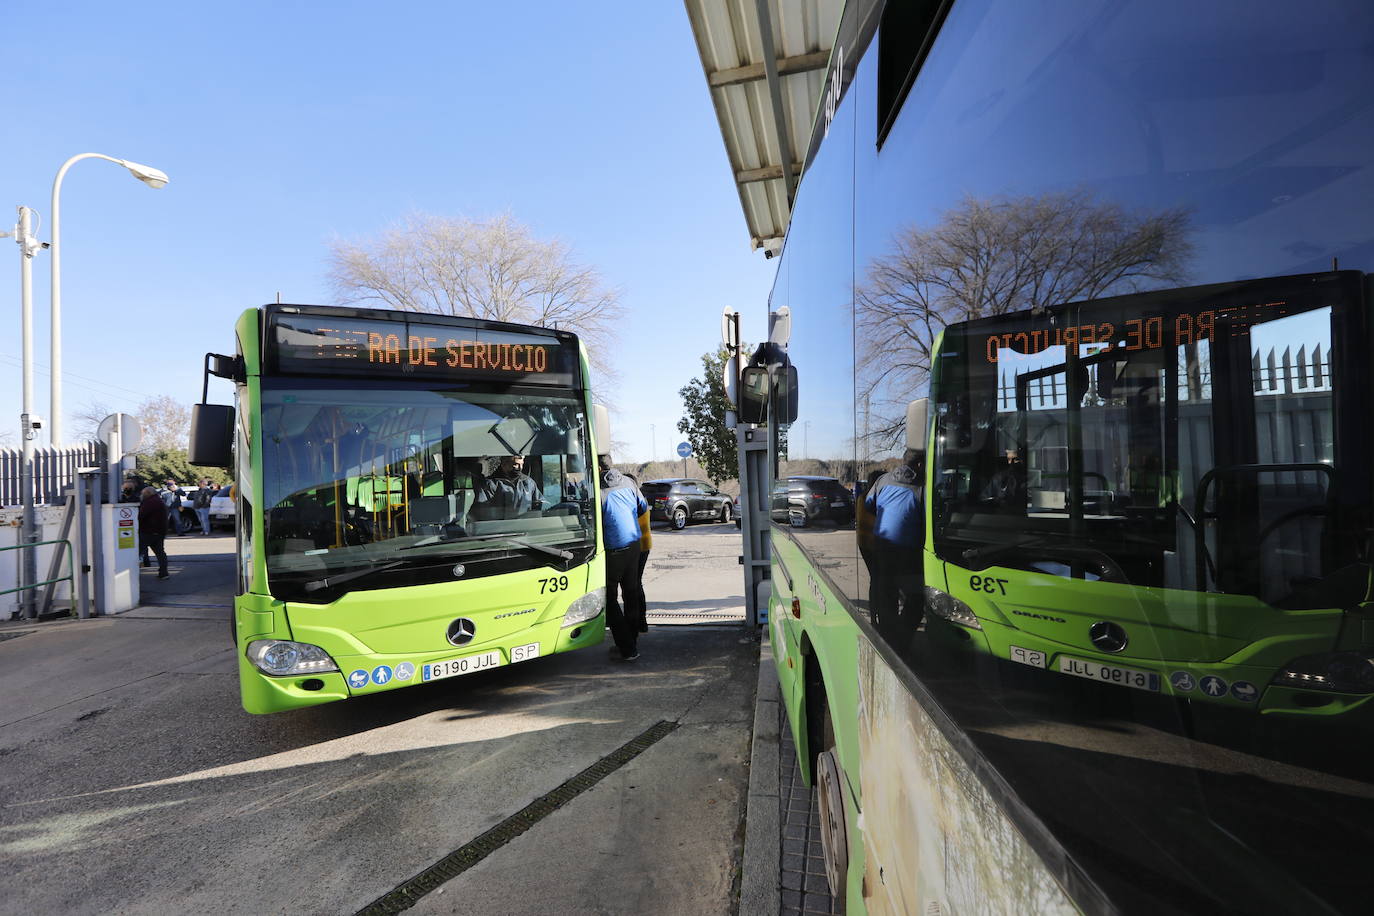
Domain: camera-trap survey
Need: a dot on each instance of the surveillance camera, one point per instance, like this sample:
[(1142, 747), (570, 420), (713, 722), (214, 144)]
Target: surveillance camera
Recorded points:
[(35, 422), (45, 244)]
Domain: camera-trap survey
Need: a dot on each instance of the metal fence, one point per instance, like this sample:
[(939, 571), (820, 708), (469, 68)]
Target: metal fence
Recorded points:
[(53, 469), (1306, 370)]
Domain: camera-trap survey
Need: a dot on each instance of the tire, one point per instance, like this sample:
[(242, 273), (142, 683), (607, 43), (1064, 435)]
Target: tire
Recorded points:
[(679, 518), (725, 514), (834, 830)]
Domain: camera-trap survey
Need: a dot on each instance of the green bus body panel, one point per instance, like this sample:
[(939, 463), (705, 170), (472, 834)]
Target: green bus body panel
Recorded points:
[(826, 637), (413, 619), (1234, 637), (355, 631)]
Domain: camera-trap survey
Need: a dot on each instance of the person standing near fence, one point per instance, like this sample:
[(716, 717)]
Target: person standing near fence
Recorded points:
[(152, 529)]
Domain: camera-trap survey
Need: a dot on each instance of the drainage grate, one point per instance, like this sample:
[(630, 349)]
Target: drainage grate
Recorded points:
[(671, 615), (460, 860)]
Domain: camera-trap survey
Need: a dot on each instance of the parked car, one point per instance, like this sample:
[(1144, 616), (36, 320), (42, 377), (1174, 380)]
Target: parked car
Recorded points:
[(802, 500), (222, 507), (738, 515), (680, 500)]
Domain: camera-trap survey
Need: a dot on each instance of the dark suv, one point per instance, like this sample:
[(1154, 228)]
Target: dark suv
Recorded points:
[(809, 499), (680, 500)]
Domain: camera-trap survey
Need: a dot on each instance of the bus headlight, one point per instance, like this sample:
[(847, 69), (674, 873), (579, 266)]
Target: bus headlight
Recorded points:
[(585, 608), (943, 604), (1339, 672), (281, 658)]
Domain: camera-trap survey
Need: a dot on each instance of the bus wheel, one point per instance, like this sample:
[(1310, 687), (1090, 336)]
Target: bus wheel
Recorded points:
[(834, 834)]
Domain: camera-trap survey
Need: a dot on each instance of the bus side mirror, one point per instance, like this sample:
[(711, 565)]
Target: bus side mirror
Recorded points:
[(788, 402), (753, 395), (601, 428), (212, 436), (917, 423)]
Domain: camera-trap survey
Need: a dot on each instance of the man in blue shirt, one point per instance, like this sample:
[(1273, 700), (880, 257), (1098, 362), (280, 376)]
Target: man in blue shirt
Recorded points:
[(621, 506), (896, 592)]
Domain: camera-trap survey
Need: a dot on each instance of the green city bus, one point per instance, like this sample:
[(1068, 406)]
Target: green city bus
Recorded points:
[(1100, 274), (416, 499)]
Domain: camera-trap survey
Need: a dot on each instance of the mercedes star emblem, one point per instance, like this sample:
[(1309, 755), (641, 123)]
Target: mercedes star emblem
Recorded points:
[(1107, 636), (461, 631)]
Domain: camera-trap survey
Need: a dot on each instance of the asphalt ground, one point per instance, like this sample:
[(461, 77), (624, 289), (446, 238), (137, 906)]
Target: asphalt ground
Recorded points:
[(130, 781)]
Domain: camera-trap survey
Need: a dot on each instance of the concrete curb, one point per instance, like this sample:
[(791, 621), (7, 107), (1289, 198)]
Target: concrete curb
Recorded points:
[(760, 884)]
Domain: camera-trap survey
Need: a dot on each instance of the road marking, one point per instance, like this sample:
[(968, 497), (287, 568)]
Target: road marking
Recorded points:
[(460, 860)]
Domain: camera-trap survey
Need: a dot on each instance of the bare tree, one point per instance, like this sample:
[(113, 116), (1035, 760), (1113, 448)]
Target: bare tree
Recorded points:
[(989, 257), (494, 269), (88, 419), (166, 425)]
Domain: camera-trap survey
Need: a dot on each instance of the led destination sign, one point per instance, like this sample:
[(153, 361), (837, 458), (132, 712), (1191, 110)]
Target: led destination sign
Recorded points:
[(308, 343), (1136, 333)]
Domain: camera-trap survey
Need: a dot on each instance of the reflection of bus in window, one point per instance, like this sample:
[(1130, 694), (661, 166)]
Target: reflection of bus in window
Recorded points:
[(416, 501), (1237, 501), (1122, 251)]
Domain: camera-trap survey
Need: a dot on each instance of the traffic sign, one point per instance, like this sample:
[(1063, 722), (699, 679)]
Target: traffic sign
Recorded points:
[(684, 450)]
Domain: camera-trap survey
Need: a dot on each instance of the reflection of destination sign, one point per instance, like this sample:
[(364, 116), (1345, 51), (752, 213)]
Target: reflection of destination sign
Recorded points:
[(327, 344), (1144, 333)]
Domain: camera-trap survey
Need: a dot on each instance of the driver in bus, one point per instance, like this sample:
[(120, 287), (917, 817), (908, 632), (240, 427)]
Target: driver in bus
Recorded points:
[(508, 492)]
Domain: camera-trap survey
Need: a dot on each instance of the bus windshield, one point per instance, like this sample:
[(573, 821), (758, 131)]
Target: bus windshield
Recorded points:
[(416, 486), (1184, 439)]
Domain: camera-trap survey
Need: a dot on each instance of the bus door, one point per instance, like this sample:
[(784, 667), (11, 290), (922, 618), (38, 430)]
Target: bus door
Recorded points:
[(1286, 503)]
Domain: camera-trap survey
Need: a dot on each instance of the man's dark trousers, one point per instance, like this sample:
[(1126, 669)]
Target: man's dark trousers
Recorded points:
[(622, 575), (896, 591), (153, 542)]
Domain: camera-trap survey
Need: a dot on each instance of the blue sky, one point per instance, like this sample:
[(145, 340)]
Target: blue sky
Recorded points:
[(285, 125)]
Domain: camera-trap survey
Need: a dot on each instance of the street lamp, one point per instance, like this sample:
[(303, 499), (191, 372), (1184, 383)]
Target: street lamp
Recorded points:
[(153, 178), (28, 565), (653, 443)]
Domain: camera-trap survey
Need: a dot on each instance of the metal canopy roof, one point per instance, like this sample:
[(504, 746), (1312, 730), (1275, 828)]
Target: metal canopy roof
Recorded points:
[(765, 61)]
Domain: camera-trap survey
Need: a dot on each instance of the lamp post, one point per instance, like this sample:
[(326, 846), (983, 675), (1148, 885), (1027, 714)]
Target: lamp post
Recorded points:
[(653, 443), (28, 565), (153, 178)]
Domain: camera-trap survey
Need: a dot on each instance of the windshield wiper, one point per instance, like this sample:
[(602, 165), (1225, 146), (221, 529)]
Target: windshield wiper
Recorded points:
[(341, 578), (1111, 570), (973, 554), (516, 538)]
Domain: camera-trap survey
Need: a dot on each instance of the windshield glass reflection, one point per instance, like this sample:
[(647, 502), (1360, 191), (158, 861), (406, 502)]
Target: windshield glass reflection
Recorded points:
[(400, 481)]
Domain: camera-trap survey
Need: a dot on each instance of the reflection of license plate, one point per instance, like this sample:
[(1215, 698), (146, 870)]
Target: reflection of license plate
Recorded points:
[(1029, 657), (456, 666), (1111, 674), (837, 504)]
